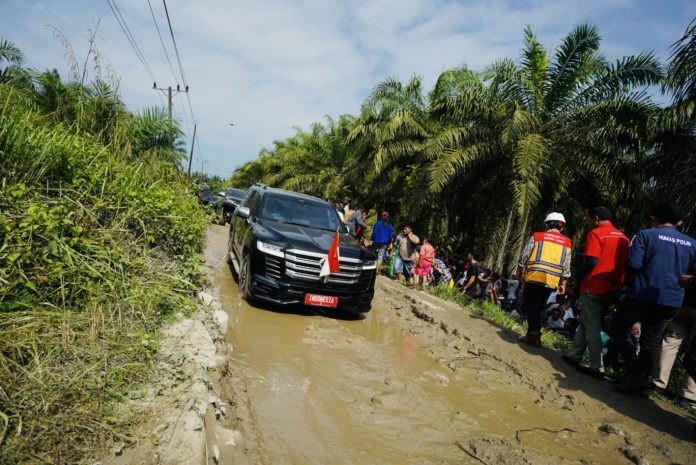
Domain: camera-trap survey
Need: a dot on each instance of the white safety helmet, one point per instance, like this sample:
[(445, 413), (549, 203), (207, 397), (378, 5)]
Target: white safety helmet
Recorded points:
[(555, 216)]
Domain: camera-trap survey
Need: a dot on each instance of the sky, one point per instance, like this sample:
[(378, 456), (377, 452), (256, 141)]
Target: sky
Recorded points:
[(257, 70)]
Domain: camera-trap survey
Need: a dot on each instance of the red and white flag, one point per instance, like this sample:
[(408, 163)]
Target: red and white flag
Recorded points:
[(331, 262)]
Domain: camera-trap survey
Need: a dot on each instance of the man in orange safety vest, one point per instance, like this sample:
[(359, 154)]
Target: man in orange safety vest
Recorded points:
[(544, 267)]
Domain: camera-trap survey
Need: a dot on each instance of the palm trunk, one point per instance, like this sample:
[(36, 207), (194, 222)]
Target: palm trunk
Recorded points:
[(503, 246), (519, 240)]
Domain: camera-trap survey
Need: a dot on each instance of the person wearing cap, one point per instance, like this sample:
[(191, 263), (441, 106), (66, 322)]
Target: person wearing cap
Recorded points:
[(382, 235), (600, 276), (658, 258), (543, 266)]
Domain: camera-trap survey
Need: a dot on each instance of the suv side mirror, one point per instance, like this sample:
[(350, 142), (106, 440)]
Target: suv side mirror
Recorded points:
[(242, 212), (346, 229)]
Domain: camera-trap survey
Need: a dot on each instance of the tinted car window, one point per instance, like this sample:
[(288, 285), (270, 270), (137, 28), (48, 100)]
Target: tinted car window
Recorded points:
[(235, 193), (253, 202), (300, 212)]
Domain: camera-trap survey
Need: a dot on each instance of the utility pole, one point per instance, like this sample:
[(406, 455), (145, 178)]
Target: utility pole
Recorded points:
[(170, 93), (193, 142)]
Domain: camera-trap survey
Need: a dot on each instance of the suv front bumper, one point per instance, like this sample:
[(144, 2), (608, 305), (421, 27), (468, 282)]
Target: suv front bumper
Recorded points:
[(281, 292)]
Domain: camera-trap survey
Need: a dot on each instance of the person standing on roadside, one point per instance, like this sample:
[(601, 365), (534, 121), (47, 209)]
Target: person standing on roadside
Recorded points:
[(407, 242), (339, 209), (657, 259), (600, 276), (469, 286), (544, 266), (356, 224), (425, 260), (681, 328), (382, 235), (204, 193)]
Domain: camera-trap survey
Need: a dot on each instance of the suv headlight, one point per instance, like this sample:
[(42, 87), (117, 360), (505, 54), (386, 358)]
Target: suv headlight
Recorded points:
[(369, 264), (270, 249)]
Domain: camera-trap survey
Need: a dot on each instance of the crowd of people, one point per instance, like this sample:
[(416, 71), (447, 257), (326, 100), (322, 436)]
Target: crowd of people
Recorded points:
[(631, 304)]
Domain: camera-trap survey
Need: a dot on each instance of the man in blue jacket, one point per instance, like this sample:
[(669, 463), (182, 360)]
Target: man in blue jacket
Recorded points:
[(657, 259), (382, 236)]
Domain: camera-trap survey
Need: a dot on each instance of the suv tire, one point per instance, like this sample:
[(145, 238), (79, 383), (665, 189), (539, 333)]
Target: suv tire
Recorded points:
[(228, 259), (244, 278)]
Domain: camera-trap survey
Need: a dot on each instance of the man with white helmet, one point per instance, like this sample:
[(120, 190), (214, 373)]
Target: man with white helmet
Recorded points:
[(543, 266)]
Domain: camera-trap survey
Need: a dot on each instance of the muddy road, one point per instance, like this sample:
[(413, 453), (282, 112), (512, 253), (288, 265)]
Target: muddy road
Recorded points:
[(419, 381)]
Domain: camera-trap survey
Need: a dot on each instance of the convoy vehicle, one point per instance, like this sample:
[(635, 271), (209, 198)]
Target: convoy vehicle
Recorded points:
[(278, 241), (227, 204)]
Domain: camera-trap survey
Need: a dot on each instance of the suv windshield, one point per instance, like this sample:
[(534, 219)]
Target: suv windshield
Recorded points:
[(235, 193), (301, 212)]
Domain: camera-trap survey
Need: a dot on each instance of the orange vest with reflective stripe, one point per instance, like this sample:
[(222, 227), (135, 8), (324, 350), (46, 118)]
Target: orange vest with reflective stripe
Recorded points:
[(545, 264)]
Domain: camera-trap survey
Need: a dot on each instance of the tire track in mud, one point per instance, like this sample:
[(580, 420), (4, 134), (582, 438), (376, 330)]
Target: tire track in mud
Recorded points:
[(475, 352), (460, 345), (419, 380)]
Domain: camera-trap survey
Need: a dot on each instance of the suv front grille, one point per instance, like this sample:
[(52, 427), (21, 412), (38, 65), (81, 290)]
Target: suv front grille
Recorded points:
[(303, 265), (273, 267)]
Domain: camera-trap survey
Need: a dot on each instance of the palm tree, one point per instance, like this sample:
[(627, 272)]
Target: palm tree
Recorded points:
[(11, 61), (151, 136), (673, 168), (388, 141), (312, 162), (681, 77), (545, 122)]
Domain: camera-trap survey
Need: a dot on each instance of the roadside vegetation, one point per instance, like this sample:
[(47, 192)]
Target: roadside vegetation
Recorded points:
[(478, 160), (99, 243)]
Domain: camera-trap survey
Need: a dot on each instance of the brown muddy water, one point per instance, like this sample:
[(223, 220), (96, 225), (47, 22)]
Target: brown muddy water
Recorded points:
[(419, 381)]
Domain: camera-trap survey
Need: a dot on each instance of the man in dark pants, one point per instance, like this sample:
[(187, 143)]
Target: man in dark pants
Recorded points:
[(544, 266), (657, 259), (600, 277), (689, 361)]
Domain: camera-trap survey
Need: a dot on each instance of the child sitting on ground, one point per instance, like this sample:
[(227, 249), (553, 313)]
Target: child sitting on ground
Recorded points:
[(555, 322)]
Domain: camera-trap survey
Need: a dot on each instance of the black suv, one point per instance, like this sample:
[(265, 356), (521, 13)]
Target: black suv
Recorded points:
[(225, 206), (277, 244)]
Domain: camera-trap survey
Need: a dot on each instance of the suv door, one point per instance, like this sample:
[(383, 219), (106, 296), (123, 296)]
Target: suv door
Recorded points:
[(242, 225)]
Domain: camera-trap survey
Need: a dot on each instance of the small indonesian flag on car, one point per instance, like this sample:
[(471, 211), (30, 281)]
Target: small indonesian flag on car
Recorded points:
[(331, 262)]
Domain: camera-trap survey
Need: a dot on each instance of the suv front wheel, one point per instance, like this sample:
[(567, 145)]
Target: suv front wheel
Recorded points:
[(245, 278)]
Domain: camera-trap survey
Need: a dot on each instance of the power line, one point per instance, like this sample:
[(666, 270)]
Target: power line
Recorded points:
[(196, 142), (176, 49), (178, 58), (176, 79), (186, 118), (126, 31)]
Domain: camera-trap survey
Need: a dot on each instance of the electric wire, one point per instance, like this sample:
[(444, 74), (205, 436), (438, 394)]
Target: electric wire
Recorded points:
[(178, 58), (126, 31), (166, 54), (196, 143), (176, 49), (141, 57)]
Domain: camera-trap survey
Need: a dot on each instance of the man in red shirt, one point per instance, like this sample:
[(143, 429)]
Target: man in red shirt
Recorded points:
[(600, 276)]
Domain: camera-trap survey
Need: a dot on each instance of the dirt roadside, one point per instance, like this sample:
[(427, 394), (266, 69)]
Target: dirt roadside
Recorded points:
[(459, 390)]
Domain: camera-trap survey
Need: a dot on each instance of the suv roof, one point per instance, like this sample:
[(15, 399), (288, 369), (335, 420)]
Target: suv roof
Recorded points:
[(286, 193)]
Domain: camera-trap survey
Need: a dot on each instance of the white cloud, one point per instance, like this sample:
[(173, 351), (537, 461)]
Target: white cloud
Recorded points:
[(268, 66)]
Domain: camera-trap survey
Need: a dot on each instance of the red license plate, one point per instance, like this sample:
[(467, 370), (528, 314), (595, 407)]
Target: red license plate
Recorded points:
[(321, 300)]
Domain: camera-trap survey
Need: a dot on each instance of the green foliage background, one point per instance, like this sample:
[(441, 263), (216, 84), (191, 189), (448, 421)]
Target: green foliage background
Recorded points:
[(99, 243), (480, 159)]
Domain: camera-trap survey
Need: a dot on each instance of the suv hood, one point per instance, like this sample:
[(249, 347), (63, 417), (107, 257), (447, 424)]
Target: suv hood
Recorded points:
[(294, 236)]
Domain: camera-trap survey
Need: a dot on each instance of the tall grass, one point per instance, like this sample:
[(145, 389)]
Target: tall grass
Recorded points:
[(98, 246)]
